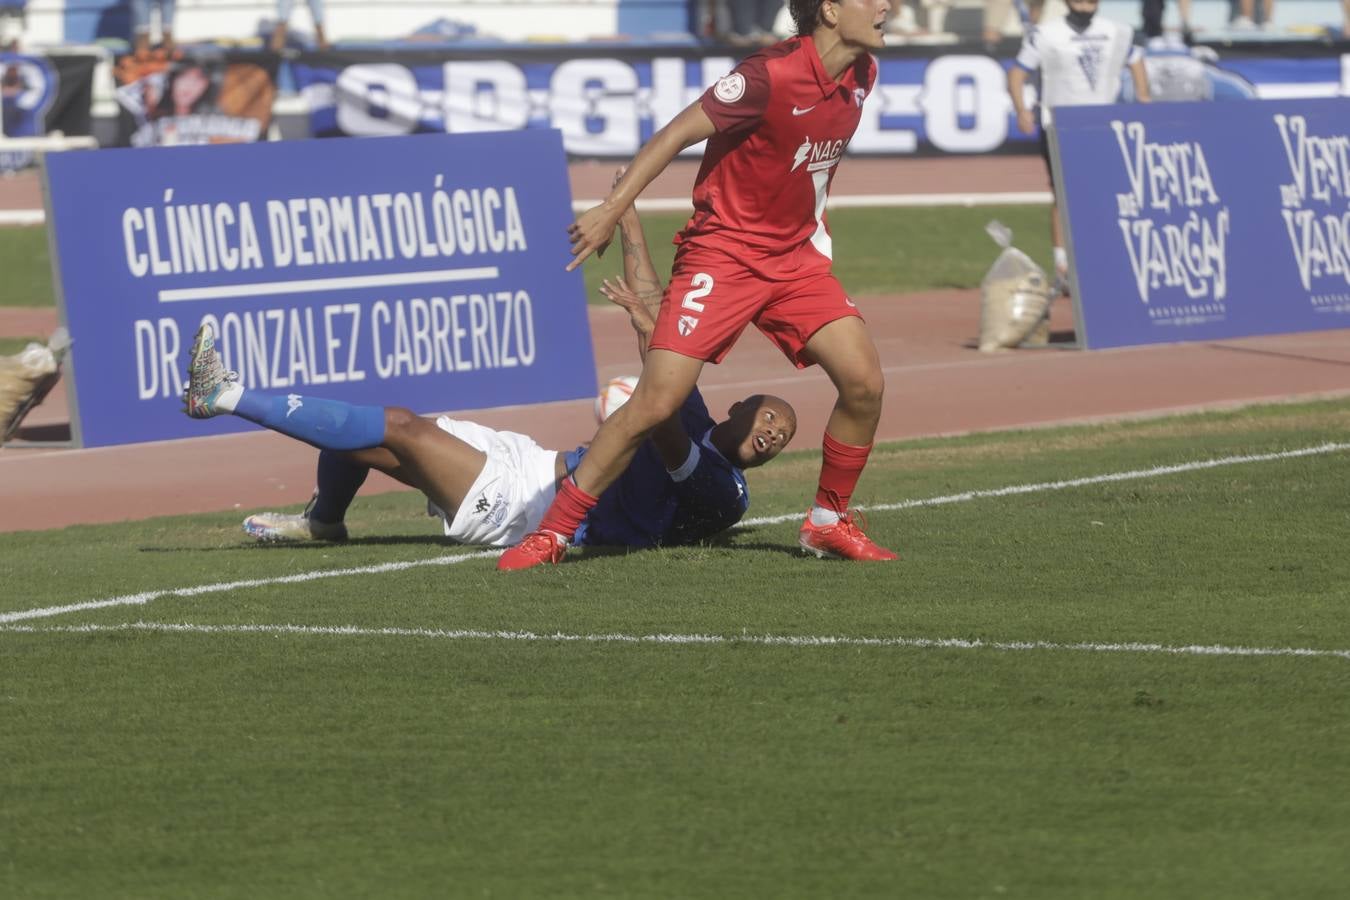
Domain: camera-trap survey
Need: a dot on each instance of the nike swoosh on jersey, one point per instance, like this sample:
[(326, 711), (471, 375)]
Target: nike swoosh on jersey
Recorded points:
[(802, 112)]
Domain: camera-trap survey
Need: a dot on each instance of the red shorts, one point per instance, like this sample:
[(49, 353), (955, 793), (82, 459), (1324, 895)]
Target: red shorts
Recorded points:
[(712, 297)]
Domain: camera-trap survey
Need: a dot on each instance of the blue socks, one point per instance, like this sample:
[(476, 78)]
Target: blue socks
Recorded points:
[(338, 479), (326, 424)]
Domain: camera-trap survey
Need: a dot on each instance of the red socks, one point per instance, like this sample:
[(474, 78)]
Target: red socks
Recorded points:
[(569, 508), (839, 470)]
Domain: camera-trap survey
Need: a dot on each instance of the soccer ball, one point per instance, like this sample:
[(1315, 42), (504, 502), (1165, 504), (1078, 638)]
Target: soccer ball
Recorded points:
[(613, 395)]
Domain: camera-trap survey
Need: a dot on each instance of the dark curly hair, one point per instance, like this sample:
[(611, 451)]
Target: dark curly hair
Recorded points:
[(805, 14)]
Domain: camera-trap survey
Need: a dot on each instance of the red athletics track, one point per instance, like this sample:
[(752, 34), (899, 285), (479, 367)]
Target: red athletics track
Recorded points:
[(936, 383)]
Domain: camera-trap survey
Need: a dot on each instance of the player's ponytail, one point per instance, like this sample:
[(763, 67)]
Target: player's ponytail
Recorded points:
[(805, 15)]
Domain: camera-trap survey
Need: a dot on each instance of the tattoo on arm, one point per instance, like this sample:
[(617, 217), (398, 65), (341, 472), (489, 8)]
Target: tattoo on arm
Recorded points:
[(639, 271)]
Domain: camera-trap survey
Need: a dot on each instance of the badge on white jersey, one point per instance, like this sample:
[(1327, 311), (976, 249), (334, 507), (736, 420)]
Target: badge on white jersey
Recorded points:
[(730, 88)]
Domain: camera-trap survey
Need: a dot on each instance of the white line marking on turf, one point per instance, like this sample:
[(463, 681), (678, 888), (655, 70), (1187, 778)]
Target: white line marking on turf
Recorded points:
[(764, 640), (1073, 482), (145, 597)]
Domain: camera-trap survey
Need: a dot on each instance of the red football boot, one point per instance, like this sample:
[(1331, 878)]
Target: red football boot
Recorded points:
[(537, 548), (843, 540)]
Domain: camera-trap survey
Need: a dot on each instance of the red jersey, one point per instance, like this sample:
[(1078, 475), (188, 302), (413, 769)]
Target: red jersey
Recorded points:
[(782, 126)]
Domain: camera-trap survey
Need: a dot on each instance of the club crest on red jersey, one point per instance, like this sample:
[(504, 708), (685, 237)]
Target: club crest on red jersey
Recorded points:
[(730, 88), (859, 95)]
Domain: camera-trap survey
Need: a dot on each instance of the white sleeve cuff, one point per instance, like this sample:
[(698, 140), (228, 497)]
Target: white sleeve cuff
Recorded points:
[(687, 467)]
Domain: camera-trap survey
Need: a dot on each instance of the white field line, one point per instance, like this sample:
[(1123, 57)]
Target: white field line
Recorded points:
[(762, 640), (1072, 482), (143, 598)]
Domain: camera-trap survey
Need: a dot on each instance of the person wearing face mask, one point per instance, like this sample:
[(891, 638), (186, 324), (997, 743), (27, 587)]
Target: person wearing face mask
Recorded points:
[(1080, 58)]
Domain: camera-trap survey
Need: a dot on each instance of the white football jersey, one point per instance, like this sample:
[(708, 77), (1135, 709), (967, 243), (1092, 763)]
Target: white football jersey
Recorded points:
[(1078, 69)]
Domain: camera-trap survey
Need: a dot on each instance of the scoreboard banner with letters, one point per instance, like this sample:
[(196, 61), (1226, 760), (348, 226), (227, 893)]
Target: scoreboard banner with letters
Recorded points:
[(608, 100), (1205, 221), (426, 272)]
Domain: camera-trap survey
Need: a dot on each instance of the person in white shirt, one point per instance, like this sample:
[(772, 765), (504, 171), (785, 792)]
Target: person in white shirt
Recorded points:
[(1080, 58)]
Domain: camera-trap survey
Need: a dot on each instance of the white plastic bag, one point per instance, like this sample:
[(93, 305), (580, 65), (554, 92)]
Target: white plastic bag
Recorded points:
[(1014, 296), (26, 377)]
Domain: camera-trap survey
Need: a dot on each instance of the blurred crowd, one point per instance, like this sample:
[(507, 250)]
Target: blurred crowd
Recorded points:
[(744, 23)]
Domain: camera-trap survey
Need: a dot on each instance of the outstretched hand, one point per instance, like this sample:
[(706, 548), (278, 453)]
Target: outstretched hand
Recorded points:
[(594, 229), (591, 233), (617, 291)]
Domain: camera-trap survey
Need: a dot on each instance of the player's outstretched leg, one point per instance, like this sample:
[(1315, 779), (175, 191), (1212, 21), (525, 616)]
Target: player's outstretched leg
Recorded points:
[(211, 390), (338, 479), (275, 527), (326, 424)]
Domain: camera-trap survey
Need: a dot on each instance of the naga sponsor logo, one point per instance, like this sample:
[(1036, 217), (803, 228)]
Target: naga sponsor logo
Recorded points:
[(1316, 202), (818, 155), (1173, 222)]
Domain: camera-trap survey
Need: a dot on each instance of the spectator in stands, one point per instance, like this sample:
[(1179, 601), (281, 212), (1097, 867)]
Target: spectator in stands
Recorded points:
[(1080, 57), (1153, 18), (996, 16), (1246, 15), (140, 25), (904, 20), (752, 21), (284, 8), (12, 14)]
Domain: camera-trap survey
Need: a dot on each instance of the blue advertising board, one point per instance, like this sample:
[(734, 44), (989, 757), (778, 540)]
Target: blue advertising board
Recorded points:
[(425, 272), (1205, 220), (608, 100)]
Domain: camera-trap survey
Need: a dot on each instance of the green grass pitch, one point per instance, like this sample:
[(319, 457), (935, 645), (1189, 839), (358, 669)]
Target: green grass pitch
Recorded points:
[(437, 729)]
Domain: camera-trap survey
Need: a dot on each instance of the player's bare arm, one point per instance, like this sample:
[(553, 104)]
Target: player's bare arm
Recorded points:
[(669, 436), (1017, 82), (638, 269), (1139, 74), (594, 229), (622, 295)]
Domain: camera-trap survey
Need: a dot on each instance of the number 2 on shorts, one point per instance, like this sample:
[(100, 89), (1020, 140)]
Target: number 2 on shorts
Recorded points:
[(703, 285)]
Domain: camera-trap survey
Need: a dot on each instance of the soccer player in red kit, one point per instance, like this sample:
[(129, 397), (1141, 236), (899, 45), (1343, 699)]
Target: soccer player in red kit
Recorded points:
[(756, 250)]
